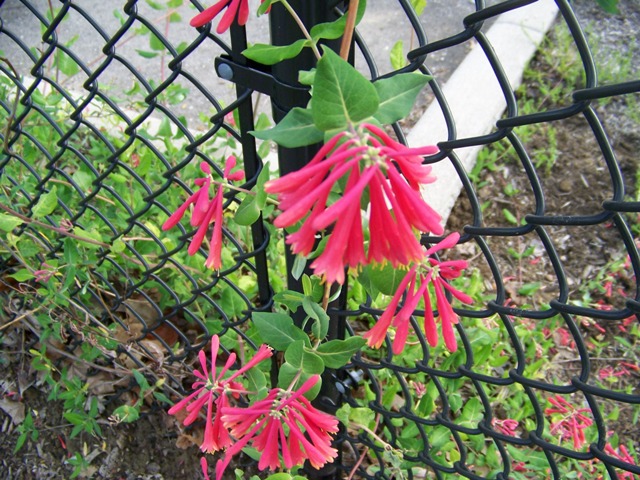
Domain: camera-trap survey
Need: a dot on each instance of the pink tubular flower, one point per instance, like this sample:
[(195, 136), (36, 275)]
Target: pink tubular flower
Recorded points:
[(212, 390), (623, 455), (428, 271), (507, 426), (45, 273), (371, 165), (236, 9), (206, 212), (571, 424), (284, 422)]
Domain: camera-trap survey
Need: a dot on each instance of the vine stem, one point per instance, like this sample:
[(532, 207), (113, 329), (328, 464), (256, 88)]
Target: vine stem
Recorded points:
[(325, 297), (345, 46), (18, 319), (61, 231), (364, 453), (303, 28), (242, 190), (14, 111)]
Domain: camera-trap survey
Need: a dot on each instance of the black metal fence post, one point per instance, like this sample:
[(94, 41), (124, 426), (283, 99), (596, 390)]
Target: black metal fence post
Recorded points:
[(285, 31)]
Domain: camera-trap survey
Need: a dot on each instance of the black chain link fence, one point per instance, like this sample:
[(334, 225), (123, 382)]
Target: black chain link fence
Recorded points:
[(120, 163)]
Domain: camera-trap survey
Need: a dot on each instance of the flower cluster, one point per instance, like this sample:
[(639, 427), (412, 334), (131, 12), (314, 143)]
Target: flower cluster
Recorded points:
[(282, 423), (211, 390), (429, 271), (379, 175), (205, 212), (572, 422)]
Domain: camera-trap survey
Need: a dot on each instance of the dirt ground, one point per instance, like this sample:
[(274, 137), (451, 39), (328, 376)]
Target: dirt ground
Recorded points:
[(576, 184)]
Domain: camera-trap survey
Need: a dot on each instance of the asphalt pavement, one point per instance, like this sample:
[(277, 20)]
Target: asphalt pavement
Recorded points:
[(384, 24)]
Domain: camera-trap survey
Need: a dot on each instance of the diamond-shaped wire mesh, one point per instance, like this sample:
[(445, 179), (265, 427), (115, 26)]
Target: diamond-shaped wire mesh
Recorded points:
[(119, 169)]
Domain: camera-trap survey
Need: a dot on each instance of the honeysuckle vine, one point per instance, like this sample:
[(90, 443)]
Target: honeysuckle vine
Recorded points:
[(356, 209)]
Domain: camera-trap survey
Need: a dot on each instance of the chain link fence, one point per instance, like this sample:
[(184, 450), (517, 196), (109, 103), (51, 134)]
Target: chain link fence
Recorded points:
[(100, 146)]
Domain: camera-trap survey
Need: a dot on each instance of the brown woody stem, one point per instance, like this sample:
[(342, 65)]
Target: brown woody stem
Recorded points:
[(348, 29)]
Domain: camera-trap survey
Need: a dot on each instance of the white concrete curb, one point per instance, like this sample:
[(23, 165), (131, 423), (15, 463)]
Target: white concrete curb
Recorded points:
[(475, 98)]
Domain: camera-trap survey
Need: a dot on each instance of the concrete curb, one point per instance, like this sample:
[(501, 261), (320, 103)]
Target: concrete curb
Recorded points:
[(475, 98)]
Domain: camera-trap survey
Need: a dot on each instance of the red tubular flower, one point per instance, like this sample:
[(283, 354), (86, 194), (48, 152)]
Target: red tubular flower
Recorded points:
[(623, 455), (429, 271), (212, 390), (236, 9), (284, 422), (375, 167), (205, 212), (572, 423)]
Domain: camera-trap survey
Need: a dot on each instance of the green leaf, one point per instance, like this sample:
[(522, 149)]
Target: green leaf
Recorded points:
[(46, 205), (83, 180), (155, 5), (337, 353), (261, 195), (307, 286), (290, 299), (248, 211), (256, 382), (264, 6), (66, 64), (364, 279), (396, 56), (145, 54), (609, 6), (288, 373), (306, 77), (232, 303), (22, 275), (118, 246), (471, 413), (296, 129), (398, 95), (91, 235), (155, 43), (385, 279), (164, 130), (279, 476), (162, 398), (303, 359), (510, 217), (9, 222), (21, 439), (126, 413), (277, 329), (419, 6), (141, 380), (335, 29), (529, 288), (341, 94), (320, 325), (71, 253), (267, 54), (299, 263)]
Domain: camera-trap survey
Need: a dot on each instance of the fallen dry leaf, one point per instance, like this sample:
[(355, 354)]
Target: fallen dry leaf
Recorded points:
[(14, 409)]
